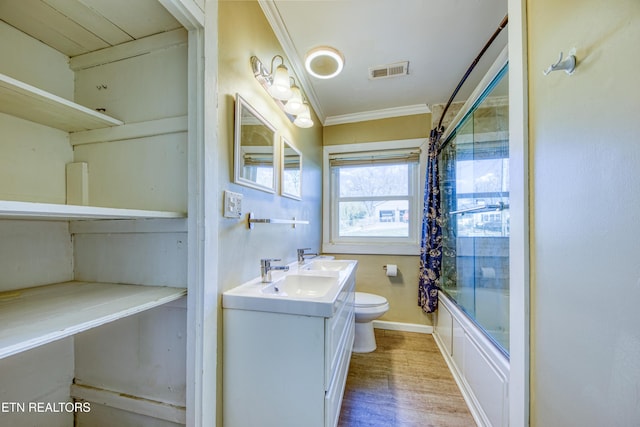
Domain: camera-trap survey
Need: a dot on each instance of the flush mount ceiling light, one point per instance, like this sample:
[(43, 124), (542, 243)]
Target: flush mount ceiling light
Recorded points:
[(324, 62)]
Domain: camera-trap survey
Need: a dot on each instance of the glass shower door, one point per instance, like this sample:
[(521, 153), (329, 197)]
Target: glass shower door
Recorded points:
[(474, 179)]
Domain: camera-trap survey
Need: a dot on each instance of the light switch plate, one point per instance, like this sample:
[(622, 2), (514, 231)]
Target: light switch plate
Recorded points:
[(232, 204)]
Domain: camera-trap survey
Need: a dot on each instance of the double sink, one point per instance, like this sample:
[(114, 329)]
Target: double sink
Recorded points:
[(309, 289)]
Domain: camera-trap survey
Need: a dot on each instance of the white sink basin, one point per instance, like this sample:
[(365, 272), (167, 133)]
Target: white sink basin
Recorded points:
[(301, 286), (328, 265), (310, 290)]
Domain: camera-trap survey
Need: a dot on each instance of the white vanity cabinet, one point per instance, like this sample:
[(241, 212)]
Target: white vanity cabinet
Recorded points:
[(283, 369), (93, 213)]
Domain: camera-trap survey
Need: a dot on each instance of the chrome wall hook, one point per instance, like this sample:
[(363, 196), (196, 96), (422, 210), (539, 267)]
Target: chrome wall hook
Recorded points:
[(568, 65)]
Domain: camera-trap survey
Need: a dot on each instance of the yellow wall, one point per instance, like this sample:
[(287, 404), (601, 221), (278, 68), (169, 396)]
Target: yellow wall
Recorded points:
[(401, 291), (584, 157), (243, 32), (406, 127)]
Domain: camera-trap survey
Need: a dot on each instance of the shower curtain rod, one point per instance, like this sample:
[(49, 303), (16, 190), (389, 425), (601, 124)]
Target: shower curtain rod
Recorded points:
[(503, 24)]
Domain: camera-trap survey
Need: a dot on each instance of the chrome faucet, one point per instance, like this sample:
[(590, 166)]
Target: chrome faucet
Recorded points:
[(266, 268), (302, 254)]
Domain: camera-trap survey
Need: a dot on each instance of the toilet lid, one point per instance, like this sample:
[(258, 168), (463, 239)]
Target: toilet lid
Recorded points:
[(364, 299)]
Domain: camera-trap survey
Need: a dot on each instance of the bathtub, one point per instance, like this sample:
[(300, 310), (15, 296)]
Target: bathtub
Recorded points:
[(490, 308), (479, 366)]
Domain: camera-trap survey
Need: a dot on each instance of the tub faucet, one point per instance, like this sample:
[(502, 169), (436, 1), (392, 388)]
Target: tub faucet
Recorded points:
[(266, 268), (302, 254)]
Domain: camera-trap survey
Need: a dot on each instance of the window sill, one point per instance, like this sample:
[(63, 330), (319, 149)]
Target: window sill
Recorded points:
[(371, 248)]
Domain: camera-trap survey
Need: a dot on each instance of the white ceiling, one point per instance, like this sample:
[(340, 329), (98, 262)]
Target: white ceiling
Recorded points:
[(439, 38), (75, 28)]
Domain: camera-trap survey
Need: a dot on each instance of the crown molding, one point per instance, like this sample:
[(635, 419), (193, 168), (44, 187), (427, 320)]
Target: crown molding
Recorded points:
[(272, 14), (385, 113), (276, 22)]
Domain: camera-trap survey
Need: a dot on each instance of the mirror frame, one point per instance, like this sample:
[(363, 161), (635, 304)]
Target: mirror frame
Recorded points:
[(243, 105), (284, 145)]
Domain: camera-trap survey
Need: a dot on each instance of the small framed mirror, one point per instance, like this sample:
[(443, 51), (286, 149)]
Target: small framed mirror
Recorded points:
[(291, 172), (254, 145)]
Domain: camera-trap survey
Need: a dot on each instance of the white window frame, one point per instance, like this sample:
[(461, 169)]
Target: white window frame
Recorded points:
[(332, 243)]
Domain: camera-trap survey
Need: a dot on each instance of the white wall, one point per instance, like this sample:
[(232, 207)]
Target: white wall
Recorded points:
[(28, 68), (44, 151), (42, 374), (585, 200), (146, 87)]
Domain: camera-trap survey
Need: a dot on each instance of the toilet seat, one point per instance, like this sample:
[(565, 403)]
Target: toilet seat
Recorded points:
[(366, 300)]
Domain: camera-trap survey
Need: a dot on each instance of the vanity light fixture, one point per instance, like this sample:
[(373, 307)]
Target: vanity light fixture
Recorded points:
[(283, 88), (324, 62)]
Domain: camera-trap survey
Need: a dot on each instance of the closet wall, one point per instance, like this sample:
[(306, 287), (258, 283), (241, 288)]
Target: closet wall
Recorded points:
[(93, 203)]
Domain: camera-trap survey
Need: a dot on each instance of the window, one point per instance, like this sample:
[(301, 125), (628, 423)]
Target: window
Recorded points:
[(373, 200)]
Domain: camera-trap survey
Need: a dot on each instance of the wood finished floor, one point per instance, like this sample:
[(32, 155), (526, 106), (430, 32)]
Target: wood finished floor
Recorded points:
[(406, 383)]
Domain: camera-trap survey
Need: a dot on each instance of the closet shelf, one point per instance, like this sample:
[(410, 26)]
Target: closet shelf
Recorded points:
[(50, 211), (36, 316), (28, 102)]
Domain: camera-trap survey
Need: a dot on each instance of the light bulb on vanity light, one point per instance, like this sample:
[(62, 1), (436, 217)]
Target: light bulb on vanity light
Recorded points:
[(280, 87), (303, 120), (295, 104)]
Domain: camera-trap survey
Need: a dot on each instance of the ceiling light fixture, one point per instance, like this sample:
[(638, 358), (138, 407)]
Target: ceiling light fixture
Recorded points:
[(324, 62), (283, 88)]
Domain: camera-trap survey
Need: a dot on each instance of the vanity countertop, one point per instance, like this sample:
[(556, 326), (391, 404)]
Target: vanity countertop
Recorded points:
[(310, 289)]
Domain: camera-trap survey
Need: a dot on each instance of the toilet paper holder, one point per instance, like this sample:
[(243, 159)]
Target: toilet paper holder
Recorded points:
[(393, 272)]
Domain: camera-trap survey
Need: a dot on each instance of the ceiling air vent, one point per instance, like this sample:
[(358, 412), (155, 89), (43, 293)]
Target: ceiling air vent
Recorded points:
[(389, 70)]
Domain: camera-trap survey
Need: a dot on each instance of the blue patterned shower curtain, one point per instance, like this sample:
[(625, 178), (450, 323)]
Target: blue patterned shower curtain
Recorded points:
[(431, 242)]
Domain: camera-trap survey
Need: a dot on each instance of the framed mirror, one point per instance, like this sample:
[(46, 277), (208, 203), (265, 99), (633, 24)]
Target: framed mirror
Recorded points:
[(291, 171), (254, 146)]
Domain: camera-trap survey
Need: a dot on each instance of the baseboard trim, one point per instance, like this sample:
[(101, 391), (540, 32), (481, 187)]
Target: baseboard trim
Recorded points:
[(137, 405), (405, 327)]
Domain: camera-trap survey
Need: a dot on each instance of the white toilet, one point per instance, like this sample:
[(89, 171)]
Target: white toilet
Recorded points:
[(368, 307)]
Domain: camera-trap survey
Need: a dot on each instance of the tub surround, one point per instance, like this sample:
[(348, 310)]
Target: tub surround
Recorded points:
[(479, 368)]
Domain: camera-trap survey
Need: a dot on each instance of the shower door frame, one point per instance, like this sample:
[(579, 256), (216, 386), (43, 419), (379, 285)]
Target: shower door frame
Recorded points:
[(519, 260)]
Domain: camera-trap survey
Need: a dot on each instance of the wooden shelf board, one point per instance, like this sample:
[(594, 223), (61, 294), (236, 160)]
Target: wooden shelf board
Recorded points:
[(36, 316), (49, 211), (28, 102)]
